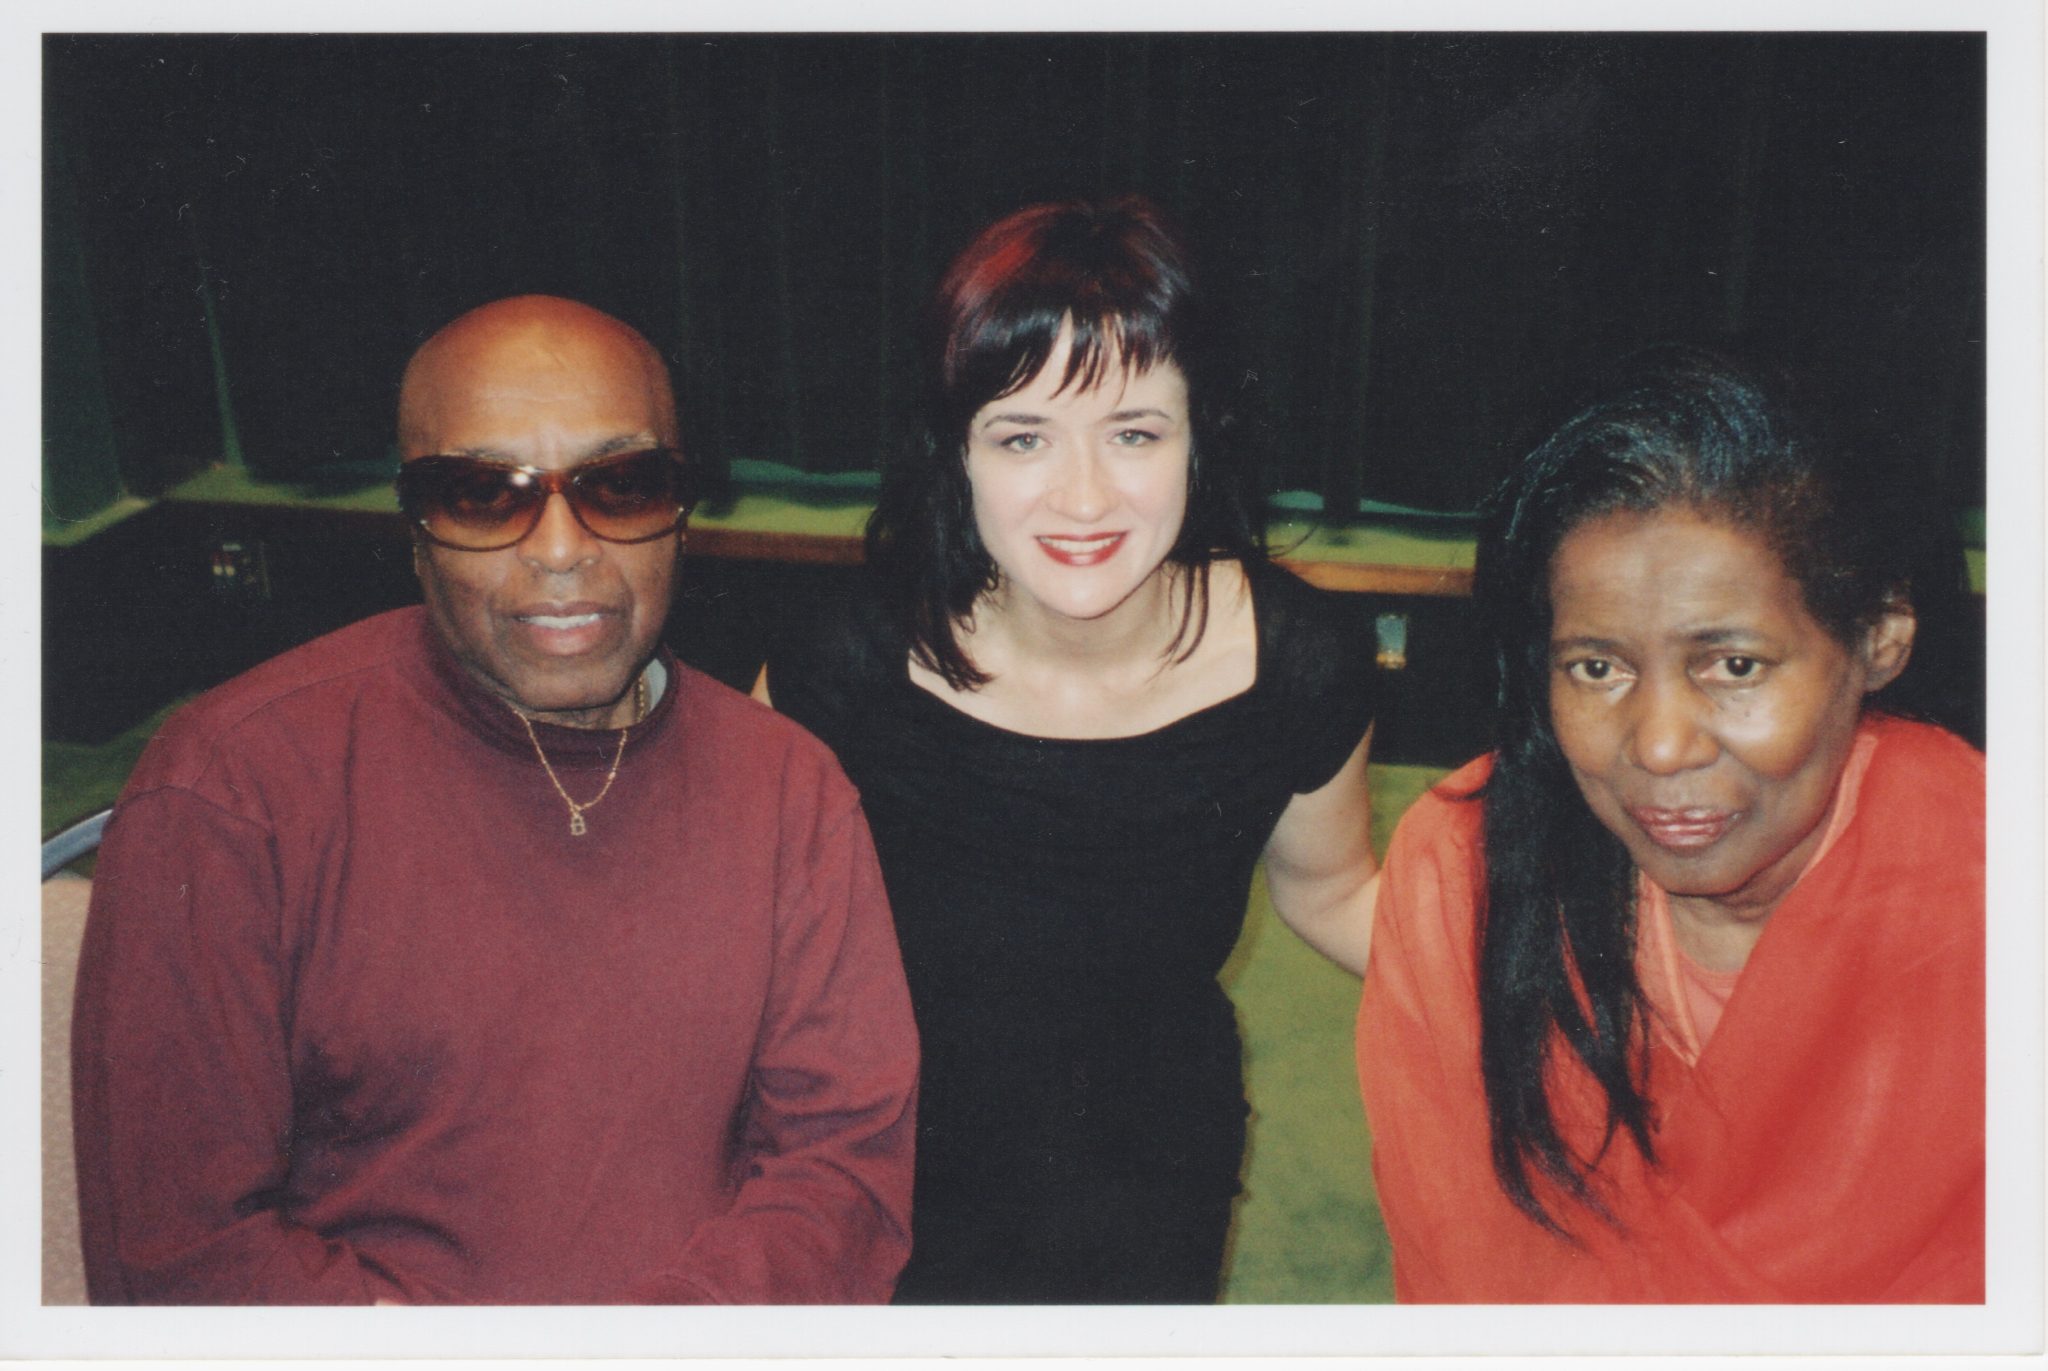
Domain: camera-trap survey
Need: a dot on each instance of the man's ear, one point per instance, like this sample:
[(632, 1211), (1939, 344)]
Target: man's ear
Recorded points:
[(1888, 644)]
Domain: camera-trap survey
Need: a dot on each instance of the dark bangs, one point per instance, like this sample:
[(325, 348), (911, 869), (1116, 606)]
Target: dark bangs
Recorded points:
[(1112, 273)]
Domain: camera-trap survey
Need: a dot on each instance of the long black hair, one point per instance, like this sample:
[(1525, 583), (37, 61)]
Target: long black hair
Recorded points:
[(1119, 276), (1673, 428)]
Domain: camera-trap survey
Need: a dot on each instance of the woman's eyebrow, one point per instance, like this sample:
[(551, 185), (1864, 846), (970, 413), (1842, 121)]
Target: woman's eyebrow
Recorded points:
[(1124, 416), (1723, 637), (1014, 417), (1702, 637), (1585, 642)]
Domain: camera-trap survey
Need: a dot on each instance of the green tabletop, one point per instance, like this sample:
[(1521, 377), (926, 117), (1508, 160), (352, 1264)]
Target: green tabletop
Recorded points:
[(781, 502)]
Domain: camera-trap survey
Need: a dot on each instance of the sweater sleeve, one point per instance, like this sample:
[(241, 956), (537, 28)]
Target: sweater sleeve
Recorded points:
[(181, 1075), (823, 1161)]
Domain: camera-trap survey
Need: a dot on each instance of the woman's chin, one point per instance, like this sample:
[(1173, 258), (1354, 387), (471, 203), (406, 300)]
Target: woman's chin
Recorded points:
[(1085, 595)]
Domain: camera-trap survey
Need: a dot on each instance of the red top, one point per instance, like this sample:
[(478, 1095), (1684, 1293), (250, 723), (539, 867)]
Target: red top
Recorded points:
[(1826, 1144), (1689, 998), (358, 1018)]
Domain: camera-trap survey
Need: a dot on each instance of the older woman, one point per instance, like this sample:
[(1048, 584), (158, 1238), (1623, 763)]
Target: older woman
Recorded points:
[(1080, 706), (1679, 995)]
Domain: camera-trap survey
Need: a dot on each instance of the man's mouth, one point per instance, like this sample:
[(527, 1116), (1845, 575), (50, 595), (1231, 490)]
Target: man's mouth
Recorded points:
[(566, 630)]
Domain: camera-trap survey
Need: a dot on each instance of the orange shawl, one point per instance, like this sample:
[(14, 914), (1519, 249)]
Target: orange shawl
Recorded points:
[(1826, 1145)]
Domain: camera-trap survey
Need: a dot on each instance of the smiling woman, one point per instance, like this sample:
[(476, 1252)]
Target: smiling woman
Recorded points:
[(1678, 996), (1080, 707), (1070, 478)]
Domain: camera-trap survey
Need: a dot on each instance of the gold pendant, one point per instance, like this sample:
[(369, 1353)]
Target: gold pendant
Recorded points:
[(577, 828)]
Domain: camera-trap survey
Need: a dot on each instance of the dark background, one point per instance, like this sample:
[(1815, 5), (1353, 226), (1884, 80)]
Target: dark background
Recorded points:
[(1424, 239)]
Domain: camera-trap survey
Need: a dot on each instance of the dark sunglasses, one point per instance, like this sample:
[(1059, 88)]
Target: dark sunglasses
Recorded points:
[(472, 505)]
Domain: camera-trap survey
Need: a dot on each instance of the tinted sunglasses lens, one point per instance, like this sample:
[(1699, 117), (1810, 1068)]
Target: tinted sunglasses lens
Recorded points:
[(632, 498), (469, 504), (480, 506)]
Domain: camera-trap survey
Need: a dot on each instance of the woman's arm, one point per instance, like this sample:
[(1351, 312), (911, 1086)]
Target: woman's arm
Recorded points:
[(1320, 869)]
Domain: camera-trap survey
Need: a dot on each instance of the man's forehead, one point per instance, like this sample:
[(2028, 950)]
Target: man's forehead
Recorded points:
[(532, 355), (536, 354), (514, 374)]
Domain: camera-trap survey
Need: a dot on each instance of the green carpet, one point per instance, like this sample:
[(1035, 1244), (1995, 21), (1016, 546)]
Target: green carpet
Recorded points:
[(1308, 1228), (81, 779)]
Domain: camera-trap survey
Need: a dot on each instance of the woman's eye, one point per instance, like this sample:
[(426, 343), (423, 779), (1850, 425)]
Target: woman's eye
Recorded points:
[(1736, 667), (1021, 442), (1134, 437), (1591, 670)]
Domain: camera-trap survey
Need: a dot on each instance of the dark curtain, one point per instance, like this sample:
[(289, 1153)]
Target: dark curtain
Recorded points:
[(1424, 239)]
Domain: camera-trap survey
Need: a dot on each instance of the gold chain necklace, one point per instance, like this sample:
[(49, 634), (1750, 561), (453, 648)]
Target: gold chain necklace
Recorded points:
[(577, 828)]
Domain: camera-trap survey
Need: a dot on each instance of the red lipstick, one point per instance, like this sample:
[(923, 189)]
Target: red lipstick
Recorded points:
[(1088, 549)]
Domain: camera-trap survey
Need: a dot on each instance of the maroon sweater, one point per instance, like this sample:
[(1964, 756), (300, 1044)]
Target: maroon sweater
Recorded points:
[(358, 1018)]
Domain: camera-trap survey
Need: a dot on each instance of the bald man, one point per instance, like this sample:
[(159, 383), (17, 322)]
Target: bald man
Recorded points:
[(481, 951)]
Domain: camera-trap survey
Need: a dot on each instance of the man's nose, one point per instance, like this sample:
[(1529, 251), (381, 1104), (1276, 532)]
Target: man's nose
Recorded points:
[(1082, 489), (1669, 734), (559, 542)]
